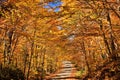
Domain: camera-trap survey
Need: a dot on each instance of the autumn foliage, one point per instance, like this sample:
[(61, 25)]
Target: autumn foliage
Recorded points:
[(35, 39)]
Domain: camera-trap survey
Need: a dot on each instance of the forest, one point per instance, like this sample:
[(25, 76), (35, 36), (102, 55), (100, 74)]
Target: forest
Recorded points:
[(52, 39)]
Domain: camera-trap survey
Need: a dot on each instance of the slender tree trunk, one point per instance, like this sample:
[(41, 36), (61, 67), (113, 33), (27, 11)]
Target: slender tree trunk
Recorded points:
[(36, 58), (43, 62), (32, 52), (112, 44), (29, 66), (25, 59), (16, 63), (112, 54), (85, 55), (105, 40), (8, 44)]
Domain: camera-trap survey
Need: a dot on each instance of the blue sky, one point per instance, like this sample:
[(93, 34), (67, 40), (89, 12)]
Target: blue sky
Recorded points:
[(54, 4)]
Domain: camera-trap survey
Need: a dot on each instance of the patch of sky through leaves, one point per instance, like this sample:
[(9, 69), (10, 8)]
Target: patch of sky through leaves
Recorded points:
[(54, 5)]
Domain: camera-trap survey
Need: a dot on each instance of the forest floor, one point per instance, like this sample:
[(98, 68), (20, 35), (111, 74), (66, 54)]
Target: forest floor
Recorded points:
[(109, 70)]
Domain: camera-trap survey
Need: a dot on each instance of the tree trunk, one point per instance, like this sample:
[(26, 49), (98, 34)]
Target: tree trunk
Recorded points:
[(32, 52), (8, 44), (43, 62), (85, 55)]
